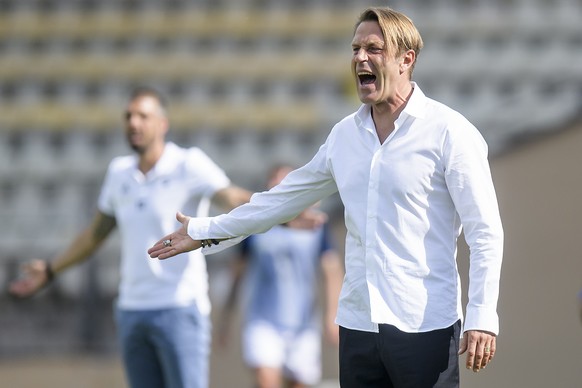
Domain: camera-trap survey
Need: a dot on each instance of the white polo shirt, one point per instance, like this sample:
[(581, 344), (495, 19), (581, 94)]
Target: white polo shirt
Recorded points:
[(145, 208)]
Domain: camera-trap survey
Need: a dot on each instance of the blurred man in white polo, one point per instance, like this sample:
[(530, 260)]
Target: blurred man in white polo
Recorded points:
[(163, 308)]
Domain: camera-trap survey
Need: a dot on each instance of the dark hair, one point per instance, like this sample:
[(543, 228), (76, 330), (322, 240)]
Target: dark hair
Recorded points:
[(143, 91)]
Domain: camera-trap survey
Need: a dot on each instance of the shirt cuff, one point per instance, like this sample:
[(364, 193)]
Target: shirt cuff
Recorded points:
[(199, 229), (482, 319)]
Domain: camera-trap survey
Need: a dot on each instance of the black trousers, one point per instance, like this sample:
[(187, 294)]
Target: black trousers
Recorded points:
[(394, 359)]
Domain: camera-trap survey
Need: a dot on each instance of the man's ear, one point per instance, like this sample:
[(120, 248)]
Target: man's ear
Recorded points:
[(407, 60), (165, 126)]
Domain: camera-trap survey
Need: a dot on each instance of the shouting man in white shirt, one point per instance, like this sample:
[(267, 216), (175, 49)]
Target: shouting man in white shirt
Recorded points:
[(411, 173)]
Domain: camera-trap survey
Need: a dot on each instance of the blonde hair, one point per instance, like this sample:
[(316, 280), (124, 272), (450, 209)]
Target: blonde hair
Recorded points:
[(400, 33)]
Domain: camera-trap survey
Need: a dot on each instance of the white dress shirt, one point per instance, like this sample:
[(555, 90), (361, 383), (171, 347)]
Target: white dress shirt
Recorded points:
[(405, 203), (145, 207)]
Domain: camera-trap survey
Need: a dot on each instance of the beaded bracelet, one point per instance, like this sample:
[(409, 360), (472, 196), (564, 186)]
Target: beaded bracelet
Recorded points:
[(209, 242)]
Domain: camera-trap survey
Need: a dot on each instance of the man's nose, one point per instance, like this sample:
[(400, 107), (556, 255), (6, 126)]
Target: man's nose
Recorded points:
[(360, 55)]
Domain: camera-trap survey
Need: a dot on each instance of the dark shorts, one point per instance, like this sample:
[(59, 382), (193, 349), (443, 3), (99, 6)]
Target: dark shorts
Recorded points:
[(393, 358)]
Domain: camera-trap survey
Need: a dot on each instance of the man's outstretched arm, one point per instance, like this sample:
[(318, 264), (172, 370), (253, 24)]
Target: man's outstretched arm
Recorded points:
[(38, 273)]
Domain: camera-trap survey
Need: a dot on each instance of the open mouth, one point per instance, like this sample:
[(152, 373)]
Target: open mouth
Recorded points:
[(366, 78)]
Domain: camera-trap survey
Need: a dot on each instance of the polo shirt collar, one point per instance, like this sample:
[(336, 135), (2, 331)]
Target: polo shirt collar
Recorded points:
[(164, 166), (167, 162)]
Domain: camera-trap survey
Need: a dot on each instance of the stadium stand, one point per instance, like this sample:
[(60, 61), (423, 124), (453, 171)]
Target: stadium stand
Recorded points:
[(248, 80)]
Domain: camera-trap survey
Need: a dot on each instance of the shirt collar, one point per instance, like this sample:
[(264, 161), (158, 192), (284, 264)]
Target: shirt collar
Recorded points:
[(416, 102), (414, 107), (164, 166), (167, 161)]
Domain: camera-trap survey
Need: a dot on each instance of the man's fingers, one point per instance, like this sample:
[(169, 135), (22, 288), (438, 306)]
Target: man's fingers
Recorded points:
[(167, 254), (480, 347), (470, 357), (161, 252), (169, 246), (473, 361), (175, 243), (463, 345), (489, 351), (157, 250), (182, 218), (159, 246)]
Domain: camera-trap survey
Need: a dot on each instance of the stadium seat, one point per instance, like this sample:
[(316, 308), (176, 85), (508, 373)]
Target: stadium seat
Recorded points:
[(249, 80)]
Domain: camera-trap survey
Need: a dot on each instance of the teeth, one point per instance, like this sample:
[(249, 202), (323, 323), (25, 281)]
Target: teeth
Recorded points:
[(364, 73)]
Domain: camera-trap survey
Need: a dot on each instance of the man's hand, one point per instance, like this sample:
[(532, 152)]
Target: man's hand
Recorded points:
[(175, 243), (33, 279), (480, 347)]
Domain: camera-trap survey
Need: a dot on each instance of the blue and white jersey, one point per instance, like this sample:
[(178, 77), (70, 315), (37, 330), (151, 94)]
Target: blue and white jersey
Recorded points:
[(281, 282)]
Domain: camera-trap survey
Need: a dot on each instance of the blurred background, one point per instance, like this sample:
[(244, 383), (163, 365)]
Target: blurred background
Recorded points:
[(252, 82)]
